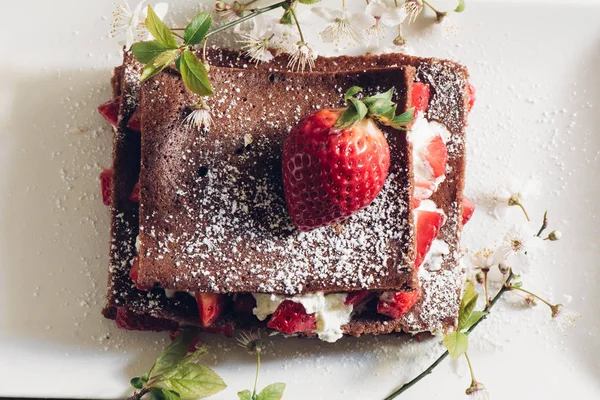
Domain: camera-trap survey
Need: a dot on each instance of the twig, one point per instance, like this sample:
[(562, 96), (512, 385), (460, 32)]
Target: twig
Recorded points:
[(139, 394), (406, 386)]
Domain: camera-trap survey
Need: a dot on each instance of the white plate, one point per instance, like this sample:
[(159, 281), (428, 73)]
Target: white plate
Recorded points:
[(536, 68)]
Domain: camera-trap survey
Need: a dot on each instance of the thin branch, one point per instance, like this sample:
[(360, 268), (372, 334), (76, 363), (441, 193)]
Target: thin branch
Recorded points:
[(253, 14), (429, 370), (139, 394)]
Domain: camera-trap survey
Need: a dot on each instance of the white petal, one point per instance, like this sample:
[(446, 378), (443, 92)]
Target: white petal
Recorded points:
[(394, 16), (376, 8), (324, 13), (361, 21), (138, 11), (444, 5), (161, 9), (129, 39)]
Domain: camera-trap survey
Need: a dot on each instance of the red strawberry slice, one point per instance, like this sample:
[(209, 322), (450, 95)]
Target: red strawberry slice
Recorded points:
[(468, 208), (110, 110), (420, 97), (422, 191), (291, 317), (472, 95), (356, 298), (328, 173), (106, 177), (135, 123), (428, 224), (135, 193), (436, 154), (396, 304), (211, 306), (134, 272), (129, 320)]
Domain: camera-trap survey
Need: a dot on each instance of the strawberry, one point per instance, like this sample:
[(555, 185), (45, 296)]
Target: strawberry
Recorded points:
[(291, 317), (427, 225), (420, 97), (133, 274), (129, 320), (135, 123), (110, 110), (356, 298), (335, 162), (396, 304), (436, 155), (106, 177), (211, 306), (135, 193), (422, 191), (472, 96), (468, 208)]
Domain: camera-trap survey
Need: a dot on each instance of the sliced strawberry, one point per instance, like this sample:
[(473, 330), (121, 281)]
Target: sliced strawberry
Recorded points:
[(133, 274), (135, 123), (436, 154), (356, 298), (420, 97), (211, 306), (106, 177), (396, 304), (110, 110), (472, 96), (135, 193), (427, 225), (422, 191), (468, 208), (129, 320), (291, 317)]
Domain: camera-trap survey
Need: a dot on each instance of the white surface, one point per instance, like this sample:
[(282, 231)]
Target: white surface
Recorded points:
[(535, 66)]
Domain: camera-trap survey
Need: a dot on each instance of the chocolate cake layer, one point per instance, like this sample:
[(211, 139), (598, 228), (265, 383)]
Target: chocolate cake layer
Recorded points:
[(213, 216), (438, 306)]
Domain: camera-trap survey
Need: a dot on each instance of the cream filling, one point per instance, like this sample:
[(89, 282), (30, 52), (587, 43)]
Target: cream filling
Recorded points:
[(330, 310), (420, 135)]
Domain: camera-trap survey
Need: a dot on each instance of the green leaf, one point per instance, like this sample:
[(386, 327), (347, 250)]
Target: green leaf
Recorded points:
[(148, 51), (196, 30), (378, 97), (245, 395), (192, 381), (351, 92), (456, 343), (159, 30), (158, 64), (382, 108), (157, 393), (472, 319), (137, 382), (175, 352), (272, 392), (401, 121), (468, 295), (355, 112), (194, 74), (460, 7), (308, 1)]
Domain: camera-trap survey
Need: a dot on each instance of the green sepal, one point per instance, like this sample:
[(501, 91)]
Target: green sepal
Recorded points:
[(197, 29), (355, 112), (351, 92)]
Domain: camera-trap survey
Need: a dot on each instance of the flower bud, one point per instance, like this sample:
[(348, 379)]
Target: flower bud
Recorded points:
[(504, 269), (222, 6), (479, 278), (554, 235)]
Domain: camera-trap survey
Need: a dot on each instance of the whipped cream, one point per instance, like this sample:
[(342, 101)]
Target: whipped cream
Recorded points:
[(435, 256), (330, 310), (420, 135)]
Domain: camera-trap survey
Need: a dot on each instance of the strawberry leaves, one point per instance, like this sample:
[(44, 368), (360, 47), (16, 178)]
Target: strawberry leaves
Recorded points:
[(380, 107)]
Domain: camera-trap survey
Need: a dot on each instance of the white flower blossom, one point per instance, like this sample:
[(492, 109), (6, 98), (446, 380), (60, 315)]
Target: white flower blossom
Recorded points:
[(386, 15), (515, 193), (344, 25), (199, 118), (130, 22), (302, 56), (256, 43), (564, 318), (412, 9), (484, 258), (518, 246), (251, 341)]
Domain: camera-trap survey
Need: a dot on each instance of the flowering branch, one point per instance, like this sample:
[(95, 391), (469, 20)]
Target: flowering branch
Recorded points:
[(429, 370)]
